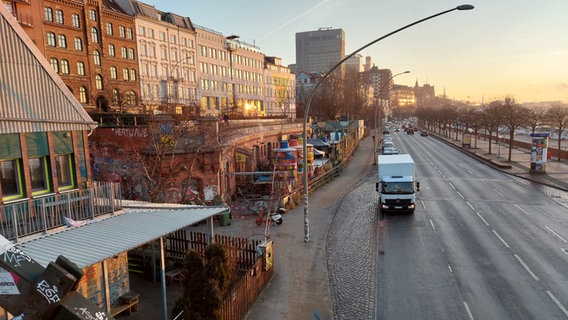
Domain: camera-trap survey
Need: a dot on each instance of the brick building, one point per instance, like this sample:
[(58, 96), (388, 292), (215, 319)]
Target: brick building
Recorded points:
[(91, 45)]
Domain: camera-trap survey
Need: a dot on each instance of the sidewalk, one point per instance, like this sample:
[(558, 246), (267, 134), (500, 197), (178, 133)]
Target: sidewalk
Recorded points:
[(556, 171)]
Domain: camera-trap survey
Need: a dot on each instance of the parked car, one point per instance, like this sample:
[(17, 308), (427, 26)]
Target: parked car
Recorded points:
[(410, 131), (423, 133)]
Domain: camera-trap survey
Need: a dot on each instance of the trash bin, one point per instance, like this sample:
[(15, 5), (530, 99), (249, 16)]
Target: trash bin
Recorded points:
[(225, 219)]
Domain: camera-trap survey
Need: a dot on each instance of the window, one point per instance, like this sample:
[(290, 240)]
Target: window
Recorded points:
[(130, 98), (113, 73), (162, 36), (48, 14), (64, 66), (109, 28), (111, 51), (153, 52), (115, 96), (80, 68), (99, 82), (82, 94), (129, 33), (78, 44), (122, 31), (125, 74), (142, 31), (61, 41), (94, 35), (173, 39), (132, 75), (131, 53), (123, 52), (151, 33), (51, 39), (97, 57), (64, 168), (11, 179), (59, 16), (39, 175), (93, 15), (76, 21), (54, 64)]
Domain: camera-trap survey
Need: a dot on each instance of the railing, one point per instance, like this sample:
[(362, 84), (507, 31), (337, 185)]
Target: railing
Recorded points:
[(39, 215)]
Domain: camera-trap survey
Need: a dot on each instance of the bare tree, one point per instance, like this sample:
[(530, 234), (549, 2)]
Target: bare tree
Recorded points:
[(557, 117), (491, 119), (536, 117), (513, 116)]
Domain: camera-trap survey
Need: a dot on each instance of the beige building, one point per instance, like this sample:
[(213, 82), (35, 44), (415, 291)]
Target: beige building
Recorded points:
[(167, 59), (280, 89)]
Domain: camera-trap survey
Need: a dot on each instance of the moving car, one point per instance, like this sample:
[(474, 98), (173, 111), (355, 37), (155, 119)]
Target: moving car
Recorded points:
[(423, 133)]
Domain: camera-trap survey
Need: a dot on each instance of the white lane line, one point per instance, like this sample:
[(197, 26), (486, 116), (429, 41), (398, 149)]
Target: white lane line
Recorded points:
[(482, 219), (451, 185), (432, 224), (450, 268), (459, 164), (469, 204), (459, 194), (526, 267), (423, 204), (524, 211), (470, 172), (469, 314), (500, 238), (499, 193), (557, 302), (556, 234), (564, 250)]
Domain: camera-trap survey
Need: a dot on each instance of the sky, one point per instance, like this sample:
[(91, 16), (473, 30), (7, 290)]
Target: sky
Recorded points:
[(501, 48)]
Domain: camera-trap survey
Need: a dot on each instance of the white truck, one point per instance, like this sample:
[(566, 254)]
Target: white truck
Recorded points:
[(396, 184)]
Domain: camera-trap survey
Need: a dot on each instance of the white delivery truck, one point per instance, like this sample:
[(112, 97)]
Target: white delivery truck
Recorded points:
[(397, 186)]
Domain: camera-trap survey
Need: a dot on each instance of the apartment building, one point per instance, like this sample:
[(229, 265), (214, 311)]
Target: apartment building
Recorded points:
[(166, 45), (90, 44), (279, 92)]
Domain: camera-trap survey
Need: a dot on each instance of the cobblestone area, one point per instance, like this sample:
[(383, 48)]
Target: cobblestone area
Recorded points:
[(352, 254)]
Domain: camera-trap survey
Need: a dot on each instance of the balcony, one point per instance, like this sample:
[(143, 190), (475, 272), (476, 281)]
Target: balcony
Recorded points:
[(38, 216)]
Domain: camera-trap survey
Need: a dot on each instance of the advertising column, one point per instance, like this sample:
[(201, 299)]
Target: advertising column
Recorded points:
[(539, 151)]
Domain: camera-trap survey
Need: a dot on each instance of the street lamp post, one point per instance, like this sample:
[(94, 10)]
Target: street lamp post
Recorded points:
[(304, 144), (375, 119), (231, 48)]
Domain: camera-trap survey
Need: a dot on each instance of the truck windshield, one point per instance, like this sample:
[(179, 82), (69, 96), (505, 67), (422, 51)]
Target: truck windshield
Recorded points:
[(398, 187)]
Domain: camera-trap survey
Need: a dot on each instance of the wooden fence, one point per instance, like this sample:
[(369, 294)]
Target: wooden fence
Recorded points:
[(242, 253)]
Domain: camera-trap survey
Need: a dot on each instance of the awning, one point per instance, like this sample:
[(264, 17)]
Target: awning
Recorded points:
[(105, 238)]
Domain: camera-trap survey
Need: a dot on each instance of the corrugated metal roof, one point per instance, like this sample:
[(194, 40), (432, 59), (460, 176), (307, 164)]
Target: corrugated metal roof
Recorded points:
[(33, 98), (97, 241)]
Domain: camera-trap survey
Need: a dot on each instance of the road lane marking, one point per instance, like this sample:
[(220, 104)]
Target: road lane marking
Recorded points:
[(469, 314), (432, 224), (526, 267), (470, 172), (564, 250), (556, 234), (451, 185), (469, 204), (460, 195), (525, 212), (450, 268), (557, 302), (482, 219), (499, 237), (499, 193), (423, 204)]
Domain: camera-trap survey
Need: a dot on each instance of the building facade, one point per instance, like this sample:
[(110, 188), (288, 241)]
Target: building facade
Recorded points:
[(90, 44), (279, 91), (166, 44), (318, 51)]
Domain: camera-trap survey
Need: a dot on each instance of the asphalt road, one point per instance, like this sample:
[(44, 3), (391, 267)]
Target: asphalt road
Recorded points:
[(481, 244)]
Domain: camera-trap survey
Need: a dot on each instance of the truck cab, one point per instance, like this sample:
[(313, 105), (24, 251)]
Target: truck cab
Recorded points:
[(396, 184)]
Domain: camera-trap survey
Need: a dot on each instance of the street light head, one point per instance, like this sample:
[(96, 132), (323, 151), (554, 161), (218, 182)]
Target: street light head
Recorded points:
[(465, 7), (406, 71), (232, 37)]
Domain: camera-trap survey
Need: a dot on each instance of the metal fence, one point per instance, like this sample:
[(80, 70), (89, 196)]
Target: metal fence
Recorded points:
[(38, 215)]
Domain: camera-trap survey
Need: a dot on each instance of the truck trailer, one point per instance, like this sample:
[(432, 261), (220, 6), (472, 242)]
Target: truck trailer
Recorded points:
[(396, 184)]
